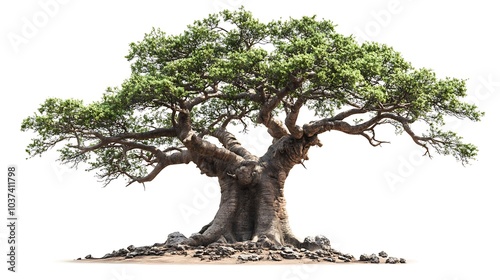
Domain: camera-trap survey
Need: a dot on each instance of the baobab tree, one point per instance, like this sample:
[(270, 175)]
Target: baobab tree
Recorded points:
[(187, 91)]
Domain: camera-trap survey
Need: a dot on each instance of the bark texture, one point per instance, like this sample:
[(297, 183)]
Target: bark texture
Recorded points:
[(253, 205)]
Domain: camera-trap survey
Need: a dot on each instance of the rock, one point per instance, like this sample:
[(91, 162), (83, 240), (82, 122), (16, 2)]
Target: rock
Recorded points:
[(131, 248), (275, 257), (329, 259), (275, 247), (313, 256), (310, 244), (175, 238), (212, 256), (321, 253), (107, 256), (130, 255), (251, 245), (289, 254), (249, 257), (79, 259), (198, 253), (133, 254), (143, 250), (349, 256), (287, 250), (383, 254), (122, 252), (344, 258), (401, 260), (374, 258), (392, 260), (154, 251), (323, 242), (181, 247), (364, 258), (88, 257), (225, 251), (316, 243)]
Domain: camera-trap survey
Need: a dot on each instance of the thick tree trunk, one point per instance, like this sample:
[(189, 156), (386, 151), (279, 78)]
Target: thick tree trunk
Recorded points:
[(252, 206)]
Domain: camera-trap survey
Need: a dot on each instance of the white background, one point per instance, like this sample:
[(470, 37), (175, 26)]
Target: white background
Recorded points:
[(439, 215)]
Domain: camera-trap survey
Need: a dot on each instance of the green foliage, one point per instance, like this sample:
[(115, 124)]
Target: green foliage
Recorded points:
[(224, 68)]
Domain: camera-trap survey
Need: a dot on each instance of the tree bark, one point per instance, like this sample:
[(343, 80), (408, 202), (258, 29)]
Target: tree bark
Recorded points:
[(253, 206)]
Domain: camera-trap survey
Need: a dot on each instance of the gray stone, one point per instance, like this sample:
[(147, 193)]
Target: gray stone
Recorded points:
[(344, 258), (287, 250), (275, 247), (249, 257), (392, 260), (329, 259), (383, 254), (321, 253), (133, 254), (374, 258), (323, 242), (310, 244), (316, 243), (251, 245), (107, 256), (289, 254), (214, 257), (347, 257), (122, 252), (275, 257), (364, 258), (180, 247), (175, 238), (199, 253), (130, 255), (313, 256), (401, 260), (225, 251), (88, 257)]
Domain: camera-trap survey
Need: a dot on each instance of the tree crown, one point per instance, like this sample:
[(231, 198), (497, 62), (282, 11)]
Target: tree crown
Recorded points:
[(232, 69)]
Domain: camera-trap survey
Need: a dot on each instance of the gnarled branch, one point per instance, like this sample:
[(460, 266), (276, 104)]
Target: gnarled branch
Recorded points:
[(183, 157), (291, 119), (229, 141), (202, 147)]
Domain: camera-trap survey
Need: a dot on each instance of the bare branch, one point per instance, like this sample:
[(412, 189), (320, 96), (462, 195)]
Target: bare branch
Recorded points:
[(197, 145), (183, 157), (348, 113), (275, 128), (229, 141), (202, 98), (291, 119)]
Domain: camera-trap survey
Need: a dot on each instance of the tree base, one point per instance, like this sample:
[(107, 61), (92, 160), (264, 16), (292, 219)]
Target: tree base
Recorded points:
[(176, 250)]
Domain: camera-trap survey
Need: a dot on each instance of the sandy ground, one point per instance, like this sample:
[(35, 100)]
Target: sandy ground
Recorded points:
[(190, 259), (177, 260)]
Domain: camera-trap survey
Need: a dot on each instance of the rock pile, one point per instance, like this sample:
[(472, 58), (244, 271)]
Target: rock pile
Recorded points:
[(373, 258), (316, 249)]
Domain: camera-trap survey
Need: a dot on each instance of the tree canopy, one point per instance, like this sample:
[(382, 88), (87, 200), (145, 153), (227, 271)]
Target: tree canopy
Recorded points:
[(232, 69)]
